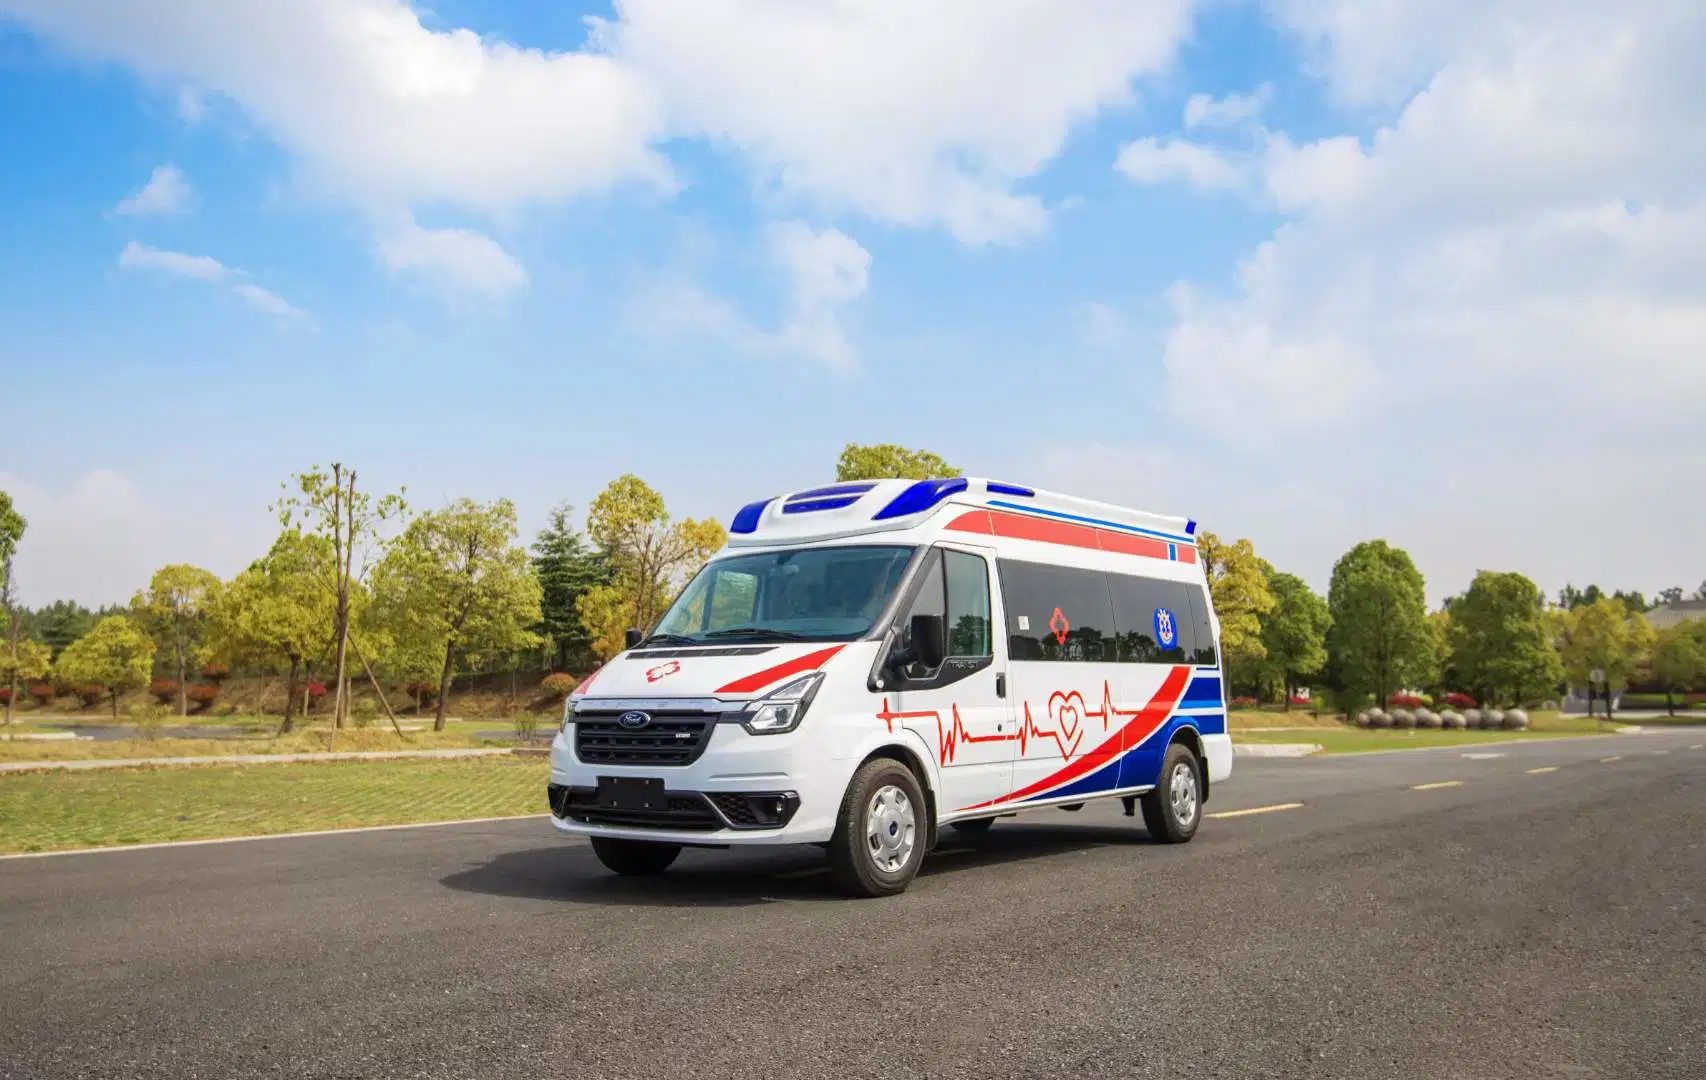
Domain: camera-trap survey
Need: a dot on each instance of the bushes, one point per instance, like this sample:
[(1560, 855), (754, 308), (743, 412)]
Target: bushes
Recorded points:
[(215, 673), (165, 691), (559, 685), (5, 695), (90, 695), (43, 694), (202, 696), (1244, 703), (1409, 701), (1460, 701)]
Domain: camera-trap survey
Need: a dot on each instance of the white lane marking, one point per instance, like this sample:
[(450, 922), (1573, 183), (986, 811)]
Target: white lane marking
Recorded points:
[(266, 836), (1609, 760), (1437, 784), (1255, 810), (1482, 757), (1661, 751), (1543, 769), (1698, 746)]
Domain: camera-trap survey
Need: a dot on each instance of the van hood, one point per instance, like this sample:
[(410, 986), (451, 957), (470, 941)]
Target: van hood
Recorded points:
[(730, 672)]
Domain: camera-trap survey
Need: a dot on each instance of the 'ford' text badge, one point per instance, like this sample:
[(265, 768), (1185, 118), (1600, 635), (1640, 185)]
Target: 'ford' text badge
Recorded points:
[(634, 721)]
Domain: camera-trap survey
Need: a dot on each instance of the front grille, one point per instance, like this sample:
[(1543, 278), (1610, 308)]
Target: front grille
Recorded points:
[(687, 811), (670, 739)]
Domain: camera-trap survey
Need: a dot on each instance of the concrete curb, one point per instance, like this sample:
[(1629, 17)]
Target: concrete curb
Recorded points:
[(1275, 749), (247, 759)]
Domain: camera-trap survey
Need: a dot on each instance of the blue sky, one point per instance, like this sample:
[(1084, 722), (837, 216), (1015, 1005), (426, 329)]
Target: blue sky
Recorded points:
[(1309, 308)]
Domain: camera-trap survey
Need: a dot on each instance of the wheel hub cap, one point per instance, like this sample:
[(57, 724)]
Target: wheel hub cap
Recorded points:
[(891, 829), (1182, 792)]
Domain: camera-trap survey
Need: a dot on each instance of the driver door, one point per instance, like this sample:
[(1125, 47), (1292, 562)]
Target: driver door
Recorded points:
[(958, 707)]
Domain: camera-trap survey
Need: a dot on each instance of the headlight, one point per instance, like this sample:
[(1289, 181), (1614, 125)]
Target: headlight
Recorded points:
[(782, 709), (568, 714)]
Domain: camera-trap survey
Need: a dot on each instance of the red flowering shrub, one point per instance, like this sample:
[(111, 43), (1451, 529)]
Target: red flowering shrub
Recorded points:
[(1299, 699), (1460, 701), (202, 696), (215, 673), (91, 694), (5, 695), (165, 691), (313, 691), (1244, 702), (1405, 701), (559, 684), (43, 693)]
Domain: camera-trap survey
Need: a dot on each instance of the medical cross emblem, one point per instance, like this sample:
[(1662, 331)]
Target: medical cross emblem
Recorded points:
[(663, 670), (1057, 622)]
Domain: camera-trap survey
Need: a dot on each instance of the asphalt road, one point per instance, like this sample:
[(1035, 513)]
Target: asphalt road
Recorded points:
[(1520, 923)]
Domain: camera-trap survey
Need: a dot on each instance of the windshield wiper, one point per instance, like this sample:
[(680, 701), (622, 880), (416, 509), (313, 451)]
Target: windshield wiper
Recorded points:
[(670, 639), (755, 632)]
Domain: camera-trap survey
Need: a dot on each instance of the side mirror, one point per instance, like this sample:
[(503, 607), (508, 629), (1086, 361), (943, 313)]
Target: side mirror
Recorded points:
[(634, 636), (929, 639)]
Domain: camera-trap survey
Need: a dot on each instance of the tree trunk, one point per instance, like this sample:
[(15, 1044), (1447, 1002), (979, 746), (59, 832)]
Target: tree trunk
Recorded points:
[(290, 697), (1670, 704), (1286, 690), (115, 705), (183, 697), (444, 686), (374, 679), (342, 702)]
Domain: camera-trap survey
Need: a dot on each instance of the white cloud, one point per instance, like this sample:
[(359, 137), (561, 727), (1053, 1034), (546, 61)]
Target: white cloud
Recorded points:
[(826, 271), (137, 256), (1150, 161), (467, 260), (918, 114), (98, 540), (190, 106), (1495, 306), (167, 192), (1203, 110)]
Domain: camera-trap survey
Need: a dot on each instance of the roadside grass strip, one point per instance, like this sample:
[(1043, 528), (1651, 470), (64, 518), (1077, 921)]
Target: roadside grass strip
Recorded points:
[(1436, 785), (1255, 810), (57, 811)]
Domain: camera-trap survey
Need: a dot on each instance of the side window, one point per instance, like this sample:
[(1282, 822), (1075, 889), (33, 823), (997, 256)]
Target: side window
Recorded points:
[(1150, 617), (1057, 613), (968, 604), (931, 600), (1205, 654)]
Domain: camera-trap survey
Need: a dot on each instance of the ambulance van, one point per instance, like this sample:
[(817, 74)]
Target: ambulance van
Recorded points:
[(865, 664)]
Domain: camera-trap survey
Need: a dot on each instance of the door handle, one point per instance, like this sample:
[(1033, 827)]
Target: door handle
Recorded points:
[(1001, 684)]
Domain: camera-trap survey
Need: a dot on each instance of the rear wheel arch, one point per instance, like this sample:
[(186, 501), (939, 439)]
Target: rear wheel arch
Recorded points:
[(1192, 739)]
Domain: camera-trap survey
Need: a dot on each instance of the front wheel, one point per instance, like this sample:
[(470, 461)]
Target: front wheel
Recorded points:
[(1171, 811), (881, 832), (634, 858)]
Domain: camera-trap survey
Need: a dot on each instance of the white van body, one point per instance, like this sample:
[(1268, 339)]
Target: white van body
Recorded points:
[(1075, 656)]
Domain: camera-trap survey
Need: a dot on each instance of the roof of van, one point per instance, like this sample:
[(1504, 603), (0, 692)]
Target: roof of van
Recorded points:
[(875, 506)]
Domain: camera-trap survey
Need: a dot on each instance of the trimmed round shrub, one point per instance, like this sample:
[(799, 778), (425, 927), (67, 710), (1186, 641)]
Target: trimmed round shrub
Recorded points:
[(91, 694), (1492, 720), (165, 691), (1427, 718), (1362, 719), (559, 684), (1403, 718), (215, 673), (1379, 718), (1471, 718), (1516, 720), (5, 695), (202, 696), (1452, 719), (43, 693)]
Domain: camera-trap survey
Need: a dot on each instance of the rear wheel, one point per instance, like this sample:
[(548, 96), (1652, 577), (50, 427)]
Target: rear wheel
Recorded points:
[(882, 831), (634, 858), (1172, 811)]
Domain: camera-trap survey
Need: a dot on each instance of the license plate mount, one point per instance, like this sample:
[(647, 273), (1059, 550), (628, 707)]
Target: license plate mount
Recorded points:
[(631, 793)]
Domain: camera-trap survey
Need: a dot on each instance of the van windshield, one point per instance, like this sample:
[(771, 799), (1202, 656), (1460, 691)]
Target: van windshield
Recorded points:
[(809, 594)]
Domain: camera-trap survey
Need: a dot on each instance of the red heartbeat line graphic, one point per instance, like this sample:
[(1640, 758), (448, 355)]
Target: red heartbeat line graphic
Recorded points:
[(1066, 709)]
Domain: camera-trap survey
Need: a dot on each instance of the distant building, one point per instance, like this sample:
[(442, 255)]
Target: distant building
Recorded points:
[(1668, 615)]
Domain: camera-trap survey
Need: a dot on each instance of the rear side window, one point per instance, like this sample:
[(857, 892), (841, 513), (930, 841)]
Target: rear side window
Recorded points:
[(1205, 654), (1153, 620), (1057, 613)]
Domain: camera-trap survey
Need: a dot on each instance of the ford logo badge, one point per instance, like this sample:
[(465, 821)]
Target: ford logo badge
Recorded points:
[(634, 721)]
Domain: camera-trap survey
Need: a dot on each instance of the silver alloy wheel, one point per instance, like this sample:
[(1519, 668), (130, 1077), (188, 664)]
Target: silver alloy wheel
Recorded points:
[(891, 829), (1182, 790)]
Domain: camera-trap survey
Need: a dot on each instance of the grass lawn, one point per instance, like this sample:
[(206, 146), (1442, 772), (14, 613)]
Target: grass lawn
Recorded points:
[(313, 740), (1342, 739), (54, 811)]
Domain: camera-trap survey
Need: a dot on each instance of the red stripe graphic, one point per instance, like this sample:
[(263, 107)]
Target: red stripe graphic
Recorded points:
[(759, 680), (1144, 723), (1024, 527)]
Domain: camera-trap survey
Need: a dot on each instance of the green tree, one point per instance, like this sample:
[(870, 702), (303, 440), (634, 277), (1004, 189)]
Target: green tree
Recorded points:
[(1294, 632), (1603, 635), (1238, 585), (1679, 659), (567, 567), (62, 622), (280, 610), (176, 609), (1501, 648), (651, 557), (116, 654), (21, 662), (884, 461), (330, 505), (1381, 640), (456, 581), (12, 527)]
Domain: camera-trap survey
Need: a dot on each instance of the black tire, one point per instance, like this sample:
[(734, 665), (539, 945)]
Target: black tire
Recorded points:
[(973, 826), (1165, 822), (634, 858), (851, 859)]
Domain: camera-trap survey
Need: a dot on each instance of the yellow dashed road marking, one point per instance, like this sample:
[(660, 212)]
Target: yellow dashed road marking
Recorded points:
[(1256, 810), (1545, 769), (1437, 784)]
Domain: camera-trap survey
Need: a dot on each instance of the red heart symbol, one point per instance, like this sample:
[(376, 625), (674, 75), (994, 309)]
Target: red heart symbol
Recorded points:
[(1067, 711)]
